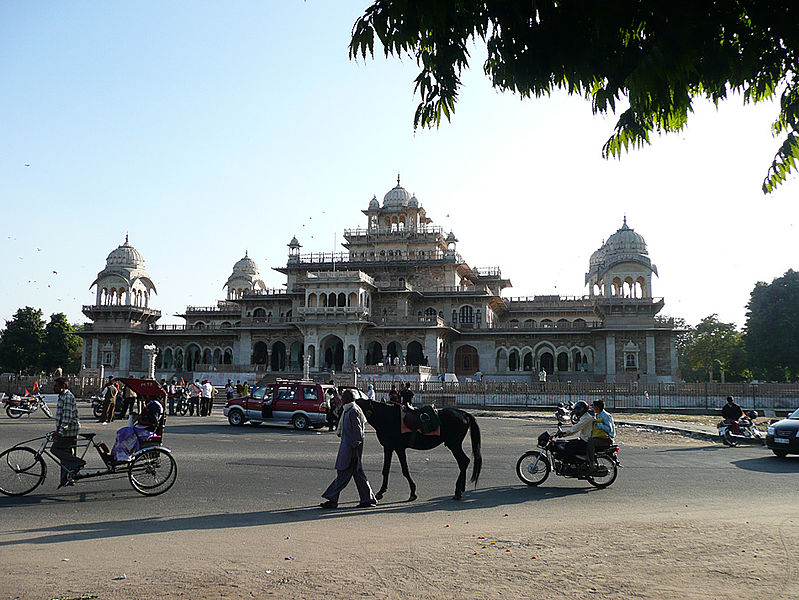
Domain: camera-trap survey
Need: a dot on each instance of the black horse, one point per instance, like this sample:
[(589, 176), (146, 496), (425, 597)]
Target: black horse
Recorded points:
[(455, 423)]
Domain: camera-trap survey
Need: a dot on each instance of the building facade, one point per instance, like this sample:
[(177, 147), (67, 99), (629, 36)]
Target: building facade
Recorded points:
[(398, 293)]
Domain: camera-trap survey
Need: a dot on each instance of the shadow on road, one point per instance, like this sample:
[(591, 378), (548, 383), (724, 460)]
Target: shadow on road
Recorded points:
[(769, 464), (483, 498), (709, 448)]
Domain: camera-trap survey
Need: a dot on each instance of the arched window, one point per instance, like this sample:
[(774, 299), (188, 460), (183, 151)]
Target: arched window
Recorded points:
[(430, 312), (562, 323), (217, 356), (227, 357), (168, 359), (546, 323), (529, 324), (563, 361), (259, 353), (312, 300), (502, 361), (342, 299), (513, 360), (527, 361), (259, 313), (467, 314), (579, 324), (207, 356), (331, 299)]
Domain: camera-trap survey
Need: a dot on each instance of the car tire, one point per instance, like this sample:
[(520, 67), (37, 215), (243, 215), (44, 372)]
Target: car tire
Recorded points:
[(301, 422), (235, 418), (780, 453)]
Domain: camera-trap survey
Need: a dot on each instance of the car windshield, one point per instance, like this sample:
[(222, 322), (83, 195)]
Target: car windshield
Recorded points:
[(795, 415)]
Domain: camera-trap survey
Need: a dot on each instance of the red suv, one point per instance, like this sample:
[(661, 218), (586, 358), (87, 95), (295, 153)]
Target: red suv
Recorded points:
[(302, 404)]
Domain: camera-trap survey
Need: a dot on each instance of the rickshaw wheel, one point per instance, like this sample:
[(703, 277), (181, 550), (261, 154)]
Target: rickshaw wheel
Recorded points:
[(153, 471)]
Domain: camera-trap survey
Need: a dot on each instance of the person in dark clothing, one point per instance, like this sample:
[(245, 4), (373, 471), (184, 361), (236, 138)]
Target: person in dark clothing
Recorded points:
[(406, 396), (732, 413), (393, 395)]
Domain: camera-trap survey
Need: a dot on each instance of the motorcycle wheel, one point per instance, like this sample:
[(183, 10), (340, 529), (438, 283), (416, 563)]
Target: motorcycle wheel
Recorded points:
[(97, 411), (533, 468), (729, 439), (183, 407), (14, 412), (46, 410), (607, 472)]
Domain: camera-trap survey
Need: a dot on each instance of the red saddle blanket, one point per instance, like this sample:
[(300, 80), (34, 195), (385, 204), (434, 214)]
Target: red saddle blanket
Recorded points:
[(410, 423)]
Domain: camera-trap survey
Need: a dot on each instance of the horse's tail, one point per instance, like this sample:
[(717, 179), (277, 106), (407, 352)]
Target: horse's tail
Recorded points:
[(474, 430)]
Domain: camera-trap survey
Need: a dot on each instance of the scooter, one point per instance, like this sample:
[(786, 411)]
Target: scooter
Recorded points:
[(747, 432), (564, 413), (16, 406)]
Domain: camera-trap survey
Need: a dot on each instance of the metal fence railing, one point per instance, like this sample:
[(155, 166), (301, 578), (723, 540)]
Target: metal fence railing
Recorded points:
[(656, 396)]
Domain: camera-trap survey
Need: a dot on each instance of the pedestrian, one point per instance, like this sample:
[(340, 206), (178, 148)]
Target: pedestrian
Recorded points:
[(393, 395), (245, 389), (109, 400), (542, 379), (239, 389), (129, 398), (195, 389), (406, 396), (172, 391), (348, 461), (370, 392), (229, 390), (65, 436), (206, 394)]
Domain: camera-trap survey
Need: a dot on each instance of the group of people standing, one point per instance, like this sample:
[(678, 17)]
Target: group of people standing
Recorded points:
[(114, 393)]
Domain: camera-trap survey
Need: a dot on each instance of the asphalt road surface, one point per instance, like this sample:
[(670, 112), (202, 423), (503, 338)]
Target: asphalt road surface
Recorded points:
[(259, 480), (259, 473)]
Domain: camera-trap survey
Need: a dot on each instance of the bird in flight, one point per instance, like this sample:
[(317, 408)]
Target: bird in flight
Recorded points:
[(27, 165)]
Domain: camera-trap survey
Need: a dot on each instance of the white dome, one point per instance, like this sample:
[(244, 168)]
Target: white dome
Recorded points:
[(125, 256), (373, 203), (245, 266), (413, 202), (396, 197), (625, 238)]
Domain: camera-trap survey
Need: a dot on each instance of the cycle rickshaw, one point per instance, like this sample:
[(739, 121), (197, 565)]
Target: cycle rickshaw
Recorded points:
[(151, 469)]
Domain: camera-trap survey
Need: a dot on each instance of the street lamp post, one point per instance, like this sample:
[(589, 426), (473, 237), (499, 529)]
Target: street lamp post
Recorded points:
[(151, 351)]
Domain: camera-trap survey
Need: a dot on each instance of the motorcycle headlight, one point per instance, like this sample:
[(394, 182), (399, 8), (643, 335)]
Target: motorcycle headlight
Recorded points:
[(771, 431)]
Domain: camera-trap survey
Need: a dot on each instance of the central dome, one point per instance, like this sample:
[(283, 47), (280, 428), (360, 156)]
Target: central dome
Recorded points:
[(125, 256), (625, 238), (396, 197)]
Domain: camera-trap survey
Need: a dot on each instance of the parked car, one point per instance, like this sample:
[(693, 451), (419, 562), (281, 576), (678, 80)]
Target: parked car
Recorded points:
[(782, 437), (302, 404)]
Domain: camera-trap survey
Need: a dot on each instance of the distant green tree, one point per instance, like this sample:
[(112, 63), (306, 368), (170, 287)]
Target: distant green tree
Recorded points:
[(772, 328), (62, 348), (21, 342), (713, 347), (649, 59)]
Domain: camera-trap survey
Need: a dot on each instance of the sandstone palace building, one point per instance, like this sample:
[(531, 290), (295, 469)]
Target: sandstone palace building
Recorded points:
[(400, 292)]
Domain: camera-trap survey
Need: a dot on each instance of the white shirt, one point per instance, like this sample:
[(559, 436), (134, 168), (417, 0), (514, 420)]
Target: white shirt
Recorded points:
[(207, 389), (583, 427)]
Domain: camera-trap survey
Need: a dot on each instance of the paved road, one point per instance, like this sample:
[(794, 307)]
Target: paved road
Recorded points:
[(262, 474)]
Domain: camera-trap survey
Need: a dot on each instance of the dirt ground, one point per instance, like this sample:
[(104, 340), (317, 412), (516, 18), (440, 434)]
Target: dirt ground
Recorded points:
[(495, 552)]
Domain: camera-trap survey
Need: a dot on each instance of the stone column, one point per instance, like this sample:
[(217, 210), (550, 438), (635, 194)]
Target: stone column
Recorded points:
[(650, 355), (244, 349), (673, 357), (610, 357), (95, 362), (124, 355)]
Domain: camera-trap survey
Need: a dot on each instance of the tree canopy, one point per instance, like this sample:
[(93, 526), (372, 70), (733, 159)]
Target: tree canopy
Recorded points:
[(659, 56), (712, 346), (772, 328), (28, 346)]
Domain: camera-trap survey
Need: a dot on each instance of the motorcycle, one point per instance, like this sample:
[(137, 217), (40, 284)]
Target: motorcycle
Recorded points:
[(533, 467), (16, 406), (98, 404), (747, 432), (565, 413)]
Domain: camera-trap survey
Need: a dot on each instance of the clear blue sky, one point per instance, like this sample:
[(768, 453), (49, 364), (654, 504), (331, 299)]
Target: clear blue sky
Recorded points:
[(204, 129)]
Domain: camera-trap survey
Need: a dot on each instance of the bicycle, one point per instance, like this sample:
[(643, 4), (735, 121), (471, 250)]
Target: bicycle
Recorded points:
[(151, 470)]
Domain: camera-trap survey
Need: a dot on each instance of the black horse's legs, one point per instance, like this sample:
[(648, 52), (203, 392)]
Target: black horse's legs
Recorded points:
[(387, 452), (404, 464), (463, 464)]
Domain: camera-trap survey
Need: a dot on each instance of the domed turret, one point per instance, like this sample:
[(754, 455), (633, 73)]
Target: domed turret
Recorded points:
[(621, 266), (396, 197), (245, 278), (374, 204), (124, 281), (413, 202)]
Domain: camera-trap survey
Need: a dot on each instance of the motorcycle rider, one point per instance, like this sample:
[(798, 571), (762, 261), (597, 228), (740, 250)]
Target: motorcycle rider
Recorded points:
[(582, 428), (602, 432), (732, 413)]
